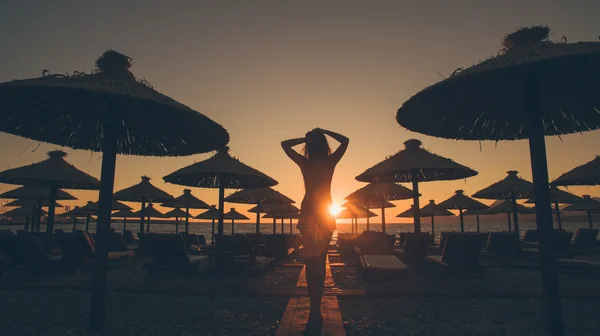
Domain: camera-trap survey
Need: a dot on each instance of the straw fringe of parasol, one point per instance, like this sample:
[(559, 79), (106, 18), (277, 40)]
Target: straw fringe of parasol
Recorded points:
[(36, 193), (22, 211), (234, 215), (507, 188), (186, 201), (143, 192), (589, 205), (459, 201), (258, 196), (31, 204), (586, 174)]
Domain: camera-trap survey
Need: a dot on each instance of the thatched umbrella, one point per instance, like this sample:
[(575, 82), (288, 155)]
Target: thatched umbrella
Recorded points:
[(558, 196), (587, 174), (23, 212), (459, 201), (221, 171), (354, 212), (511, 188), (89, 209), (52, 173), (507, 207), (275, 210), (123, 214), (109, 111), (282, 216), (415, 164), (177, 213), (233, 215), (31, 204), (476, 213), (356, 207), (212, 214), (589, 205), (430, 210), (37, 194), (533, 87), (374, 195), (258, 196), (186, 201), (149, 212), (143, 192)]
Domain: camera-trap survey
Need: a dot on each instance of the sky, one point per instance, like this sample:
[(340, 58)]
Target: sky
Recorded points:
[(273, 70)]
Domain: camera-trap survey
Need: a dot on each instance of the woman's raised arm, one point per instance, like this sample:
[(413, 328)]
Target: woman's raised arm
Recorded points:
[(291, 153), (343, 140)]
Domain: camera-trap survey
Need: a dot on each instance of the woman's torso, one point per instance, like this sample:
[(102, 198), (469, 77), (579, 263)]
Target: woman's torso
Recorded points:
[(317, 199)]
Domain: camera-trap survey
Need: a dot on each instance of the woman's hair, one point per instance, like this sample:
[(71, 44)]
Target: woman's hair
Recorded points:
[(316, 146)]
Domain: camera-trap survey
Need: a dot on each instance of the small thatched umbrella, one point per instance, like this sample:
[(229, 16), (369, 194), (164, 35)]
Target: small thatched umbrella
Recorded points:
[(290, 216), (354, 212), (374, 195), (111, 111), (143, 192), (258, 196), (221, 171), (52, 173), (177, 213), (507, 207), (212, 214), (186, 201), (587, 174), (510, 188), (233, 215), (23, 212), (430, 210), (38, 195), (558, 196), (89, 209), (126, 213), (459, 201), (476, 213), (149, 212), (31, 204), (275, 210), (589, 205), (415, 164), (354, 207)]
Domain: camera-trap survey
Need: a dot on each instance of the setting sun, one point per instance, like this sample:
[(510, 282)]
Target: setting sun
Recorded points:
[(335, 209)]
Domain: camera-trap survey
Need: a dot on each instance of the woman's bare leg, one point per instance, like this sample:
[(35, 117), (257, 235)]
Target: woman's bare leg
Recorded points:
[(315, 280)]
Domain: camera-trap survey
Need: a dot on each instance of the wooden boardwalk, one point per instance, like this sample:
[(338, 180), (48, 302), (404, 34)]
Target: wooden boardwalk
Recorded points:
[(296, 313)]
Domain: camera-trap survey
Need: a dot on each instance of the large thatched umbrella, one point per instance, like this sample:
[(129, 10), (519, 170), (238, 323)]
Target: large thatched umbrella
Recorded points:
[(52, 173), (282, 216), (430, 210), (123, 214), (532, 88), (258, 196), (38, 195), (233, 215), (503, 206), (415, 164), (186, 201), (177, 213), (459, 201), (221, 171), (374, 195), (143, 192), (275, 210), (109, 111), (587, 174), (557, 197), (354, 212), (148, 212), (588, 205), (510, 188), (212, 214)]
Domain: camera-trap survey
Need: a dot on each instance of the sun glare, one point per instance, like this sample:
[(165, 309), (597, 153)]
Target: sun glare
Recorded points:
[(335, 209)]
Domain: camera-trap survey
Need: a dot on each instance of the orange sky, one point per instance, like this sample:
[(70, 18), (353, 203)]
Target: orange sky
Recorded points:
[(269, 70)]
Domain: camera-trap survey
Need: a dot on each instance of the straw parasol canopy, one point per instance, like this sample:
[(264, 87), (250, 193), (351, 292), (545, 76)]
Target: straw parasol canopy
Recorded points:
[(282, 216), (186, 201), (429, 210), (532, 88), (177, 213), (36, 193), (415, 164), (89, 209), (511, 188), (234, 215), (360, 210), (589, 205), (355, 213), (22, 211), (143, 192), (212, 214), (587, 174), (276, 211), (31, 204), (459, 201), (125, 213), (558, 196), (148, 212), (220, 171), (52, 173), (107, 110), (507, 207), (378, 193), (258, 196)]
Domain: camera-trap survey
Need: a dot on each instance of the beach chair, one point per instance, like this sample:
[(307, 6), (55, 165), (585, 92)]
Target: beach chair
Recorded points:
[(28, 251), (129, 238), (461, 250), (117, 243), (241, 255), (584, 239), (372, 242), (503, 244), (170, 253), (79, 250), (46, 239), (276, 246), (415, 248), (376, 255)]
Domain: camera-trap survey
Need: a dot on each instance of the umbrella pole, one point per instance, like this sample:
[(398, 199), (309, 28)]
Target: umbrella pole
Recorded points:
[(558, 215), (432, 227), (221, 204), (462, 222), (589, 213), (539, 167), (74, 223), (107, 181), (212, 235), (51, 207), (382, 216), (274, 225), (124, 224), (187, 219), (177, 225), (232, 227), (148, 224), (509, 224), (367, 218), (478, 227), (142, 217), (87, 223), (26, 228), (416, 210), (258, 217), (38, 216), (282, 226), (291, 231), (516, 215)]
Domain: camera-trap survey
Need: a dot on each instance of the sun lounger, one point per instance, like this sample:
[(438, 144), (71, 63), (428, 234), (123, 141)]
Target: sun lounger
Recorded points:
[(241, 254), (79, 249), (461, 250), (415, 248), (169, 252), (584, 240), (130, 238), (29, 252), (276, 246), (381, 264), (46, 239), (372, 242), (503, 244)]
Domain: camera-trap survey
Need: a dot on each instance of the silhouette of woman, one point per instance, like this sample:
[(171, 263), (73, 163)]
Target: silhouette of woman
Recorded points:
[(316, 224)]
